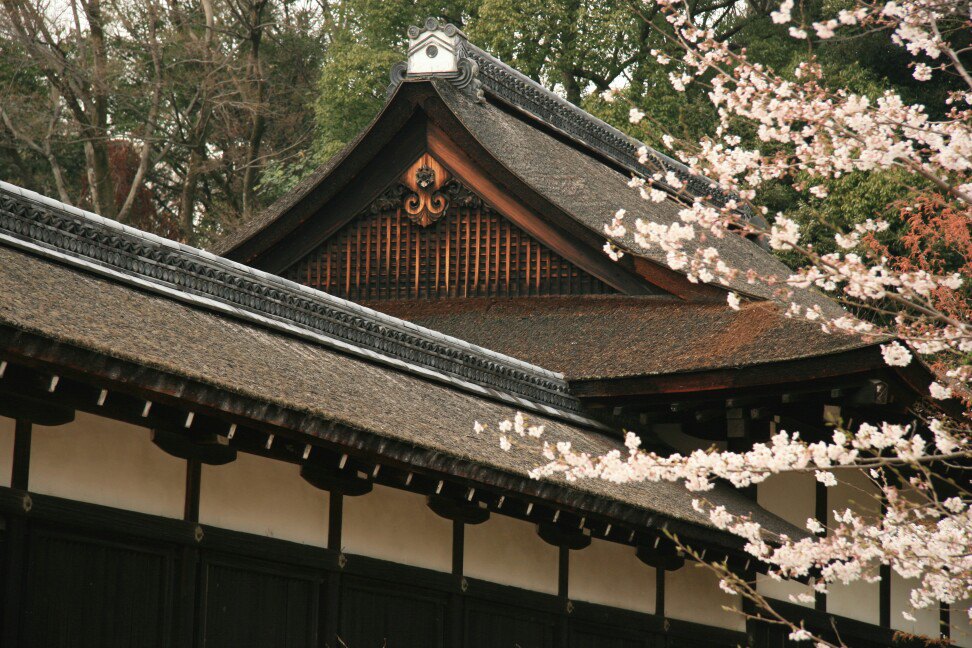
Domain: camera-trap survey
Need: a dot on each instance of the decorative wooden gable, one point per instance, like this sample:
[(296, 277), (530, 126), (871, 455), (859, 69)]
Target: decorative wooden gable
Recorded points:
[(430, 236)]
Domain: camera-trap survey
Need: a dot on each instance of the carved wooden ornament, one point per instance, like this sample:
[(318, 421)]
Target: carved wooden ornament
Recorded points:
[(425, 179)]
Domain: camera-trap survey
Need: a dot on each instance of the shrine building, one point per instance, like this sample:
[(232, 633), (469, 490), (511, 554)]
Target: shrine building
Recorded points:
[(272, 443)]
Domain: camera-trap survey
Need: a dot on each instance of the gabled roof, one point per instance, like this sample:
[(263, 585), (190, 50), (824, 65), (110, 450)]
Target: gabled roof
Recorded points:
[(157, 315), (149, 262), (619, 336), (551, 155), (523, 93)]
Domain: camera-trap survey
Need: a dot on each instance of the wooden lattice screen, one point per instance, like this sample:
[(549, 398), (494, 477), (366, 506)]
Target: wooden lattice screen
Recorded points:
[(469, 251)]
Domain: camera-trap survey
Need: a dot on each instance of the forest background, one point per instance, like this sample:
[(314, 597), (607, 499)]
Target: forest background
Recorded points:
[(184, 117)]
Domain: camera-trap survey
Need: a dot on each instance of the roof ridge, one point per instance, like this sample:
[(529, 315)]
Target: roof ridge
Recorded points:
[(69, 234), (474, 70)]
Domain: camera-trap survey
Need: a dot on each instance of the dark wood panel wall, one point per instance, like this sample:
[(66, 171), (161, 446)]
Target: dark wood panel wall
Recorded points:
[(102, 577), (471, 251), (90, 575)]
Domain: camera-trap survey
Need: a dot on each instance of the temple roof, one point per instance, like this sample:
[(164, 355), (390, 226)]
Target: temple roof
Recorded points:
[(573, 162), (607, 336), (151, 262), (71, 279)]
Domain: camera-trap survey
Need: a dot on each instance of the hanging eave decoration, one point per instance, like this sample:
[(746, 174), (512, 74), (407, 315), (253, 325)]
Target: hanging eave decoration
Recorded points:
[(425, 202), (425, 192)]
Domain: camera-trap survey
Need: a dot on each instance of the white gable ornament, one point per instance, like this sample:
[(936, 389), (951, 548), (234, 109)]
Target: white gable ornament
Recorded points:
[(438, 50)]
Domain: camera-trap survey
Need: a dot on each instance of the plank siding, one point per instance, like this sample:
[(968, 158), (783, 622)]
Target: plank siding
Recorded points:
[(470, 252)]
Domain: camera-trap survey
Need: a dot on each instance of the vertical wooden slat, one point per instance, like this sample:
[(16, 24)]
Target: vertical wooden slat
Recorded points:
[(492, 256), (398, 252), (418, 259), (526, 276), (540, 271), (367, 280), (509, 254), (378, 256), (448, 260), (435, 290), (357, 261), (467, 221), (330, 253), (347, 268), (388, 255), (479, 246)]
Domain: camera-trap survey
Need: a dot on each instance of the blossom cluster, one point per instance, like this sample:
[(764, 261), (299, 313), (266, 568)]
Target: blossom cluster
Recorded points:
[(805, 129), (921, 535), (809, 134)]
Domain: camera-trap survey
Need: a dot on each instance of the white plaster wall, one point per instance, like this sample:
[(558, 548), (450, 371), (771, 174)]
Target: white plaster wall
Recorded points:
[(692, 593), (858, 600), (783, 590), (265, 497), (397, 525), (611, 574), (509, 551), (792, 496), (98, 460), (961, 628), (926, 620), (6, 449)]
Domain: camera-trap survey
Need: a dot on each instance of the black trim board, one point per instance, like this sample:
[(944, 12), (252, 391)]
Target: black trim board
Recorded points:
[(163, 388), (324, 566)]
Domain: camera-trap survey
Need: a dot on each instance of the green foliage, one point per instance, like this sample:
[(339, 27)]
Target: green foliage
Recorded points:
[(351, 90)]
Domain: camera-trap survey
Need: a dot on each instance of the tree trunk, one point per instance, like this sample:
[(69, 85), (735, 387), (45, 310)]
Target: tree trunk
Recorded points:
[(96, 133), (258, 125)]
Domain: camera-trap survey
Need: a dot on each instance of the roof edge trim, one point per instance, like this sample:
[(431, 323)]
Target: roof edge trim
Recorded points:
[(70, 235)]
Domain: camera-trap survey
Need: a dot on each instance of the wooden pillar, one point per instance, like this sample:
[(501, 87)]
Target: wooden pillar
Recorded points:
[(659, 592), (335, 518), (456, 598), (20, 476), (332, 597), (944, 621), (563, 591), (820, 512), (189, 559), (193, 484), (884, 587), (661, 640), (15, 555)]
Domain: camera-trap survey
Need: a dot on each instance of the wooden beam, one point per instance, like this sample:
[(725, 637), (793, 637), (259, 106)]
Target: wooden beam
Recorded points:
[(202, 448), (193, 486), (291, 212), (457, 510), (662, 555), (137, 384), (345, 482), (560, 536), (724, 382), (458, 546), (20, 475), (38, 410), (589, 259), (675, 282)]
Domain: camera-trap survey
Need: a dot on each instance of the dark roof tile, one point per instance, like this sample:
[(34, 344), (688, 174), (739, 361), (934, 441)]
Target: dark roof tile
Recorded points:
[(622, 336)]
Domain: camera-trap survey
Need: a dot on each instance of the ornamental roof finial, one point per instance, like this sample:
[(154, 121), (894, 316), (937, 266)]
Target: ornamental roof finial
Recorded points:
[(438, 49), (434, 48)]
